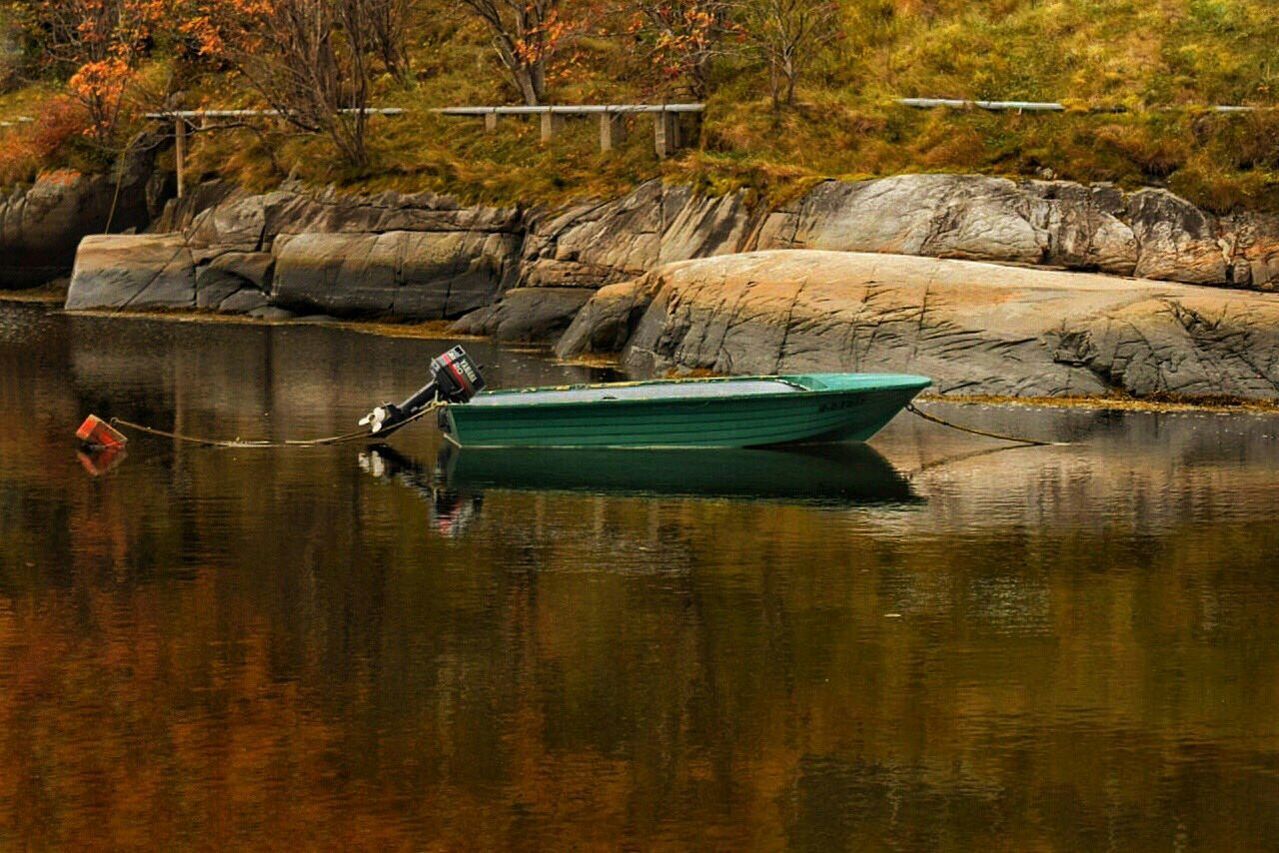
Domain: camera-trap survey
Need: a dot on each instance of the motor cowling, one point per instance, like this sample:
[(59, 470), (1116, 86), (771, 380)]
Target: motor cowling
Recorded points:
[(458, 377), (455, 378)]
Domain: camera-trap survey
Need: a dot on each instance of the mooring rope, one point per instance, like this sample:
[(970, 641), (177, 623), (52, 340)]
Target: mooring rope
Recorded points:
[(357, 435), (910, 407), (238, 443)]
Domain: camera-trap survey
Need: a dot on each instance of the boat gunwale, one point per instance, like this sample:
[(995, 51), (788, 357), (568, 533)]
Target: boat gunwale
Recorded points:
[(906, 382)]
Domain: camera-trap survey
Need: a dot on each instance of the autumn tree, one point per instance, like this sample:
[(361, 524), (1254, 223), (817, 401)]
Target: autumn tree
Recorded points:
[(99, 44), (525, 33), (389, 21), (310, 60), (786, 33), (683, 39)]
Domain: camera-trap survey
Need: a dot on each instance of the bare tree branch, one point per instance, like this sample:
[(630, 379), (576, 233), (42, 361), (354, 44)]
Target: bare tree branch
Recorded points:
[(310, 60), (525, 35), (786, 33)]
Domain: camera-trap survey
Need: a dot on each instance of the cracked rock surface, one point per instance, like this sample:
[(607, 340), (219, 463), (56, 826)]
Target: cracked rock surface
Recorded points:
[(403, 274), (133, 272), (975, 328), (416, 257)]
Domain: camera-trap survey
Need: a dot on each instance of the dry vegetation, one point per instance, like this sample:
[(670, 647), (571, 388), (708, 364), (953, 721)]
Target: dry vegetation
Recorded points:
[(1136, 74)]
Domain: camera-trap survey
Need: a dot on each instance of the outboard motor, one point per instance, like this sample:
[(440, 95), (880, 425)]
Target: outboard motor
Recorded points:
[(455, 378)]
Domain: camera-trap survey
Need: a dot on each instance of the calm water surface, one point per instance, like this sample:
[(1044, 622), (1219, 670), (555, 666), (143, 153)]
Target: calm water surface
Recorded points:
[(915, 646)]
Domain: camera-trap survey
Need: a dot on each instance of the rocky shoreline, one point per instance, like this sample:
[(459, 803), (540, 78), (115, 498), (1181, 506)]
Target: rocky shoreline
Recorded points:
[(991, 286), (1149, 233), (975, 328)]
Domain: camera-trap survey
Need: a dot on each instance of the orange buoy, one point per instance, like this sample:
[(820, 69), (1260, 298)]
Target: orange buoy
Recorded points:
[(96, 432)]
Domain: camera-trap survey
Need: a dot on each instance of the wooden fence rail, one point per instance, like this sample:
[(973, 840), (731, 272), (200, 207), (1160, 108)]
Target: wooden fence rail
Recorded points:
[(191, 115), (202, 119), (612, 119), (1047, 106), (1020, 106)]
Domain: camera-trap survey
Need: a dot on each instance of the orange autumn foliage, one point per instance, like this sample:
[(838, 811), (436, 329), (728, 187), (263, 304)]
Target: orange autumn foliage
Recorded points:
[(24, 153), (101, 42)]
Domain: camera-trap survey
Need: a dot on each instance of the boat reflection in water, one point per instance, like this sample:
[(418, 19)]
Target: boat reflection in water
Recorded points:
[(452, 510), (829, 475)]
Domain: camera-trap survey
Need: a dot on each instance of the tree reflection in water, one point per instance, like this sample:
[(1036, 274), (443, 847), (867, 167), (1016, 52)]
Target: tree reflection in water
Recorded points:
[(214, 648)]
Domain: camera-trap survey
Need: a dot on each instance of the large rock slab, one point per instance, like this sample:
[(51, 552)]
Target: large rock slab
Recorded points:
[(423, 256), (937, 215), (526, 314), (249, 222), (143, 271), (410, 275), (607, 321), (1179, 242), (976, 328), (1148, 233), (963, 216), (593, 244)]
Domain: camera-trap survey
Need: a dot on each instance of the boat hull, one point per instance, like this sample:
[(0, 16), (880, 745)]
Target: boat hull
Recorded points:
[(825, 408)]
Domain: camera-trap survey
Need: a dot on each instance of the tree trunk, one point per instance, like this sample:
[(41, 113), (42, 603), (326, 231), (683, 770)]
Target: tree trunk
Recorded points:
[(700, 80), (530, 81), (537, 81), (529, 78)]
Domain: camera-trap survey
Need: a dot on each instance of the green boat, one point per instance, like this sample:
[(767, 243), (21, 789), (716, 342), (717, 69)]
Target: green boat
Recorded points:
[(751, 411)]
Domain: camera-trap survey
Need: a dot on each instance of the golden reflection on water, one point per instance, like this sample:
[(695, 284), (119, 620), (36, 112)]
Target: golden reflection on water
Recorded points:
[(905, 648)]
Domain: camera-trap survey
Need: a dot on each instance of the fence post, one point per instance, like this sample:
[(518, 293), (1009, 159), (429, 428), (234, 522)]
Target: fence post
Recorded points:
[(666, 136), (612, 130), (490, 121), (551, 123), (180, 151)]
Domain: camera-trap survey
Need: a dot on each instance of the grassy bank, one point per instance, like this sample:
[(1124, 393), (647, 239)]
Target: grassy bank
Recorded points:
[(1160, 63)]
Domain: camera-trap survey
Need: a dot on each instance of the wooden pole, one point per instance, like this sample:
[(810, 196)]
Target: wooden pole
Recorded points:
[(551, 124), (664, 134), (612, 131), (180, 152)]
